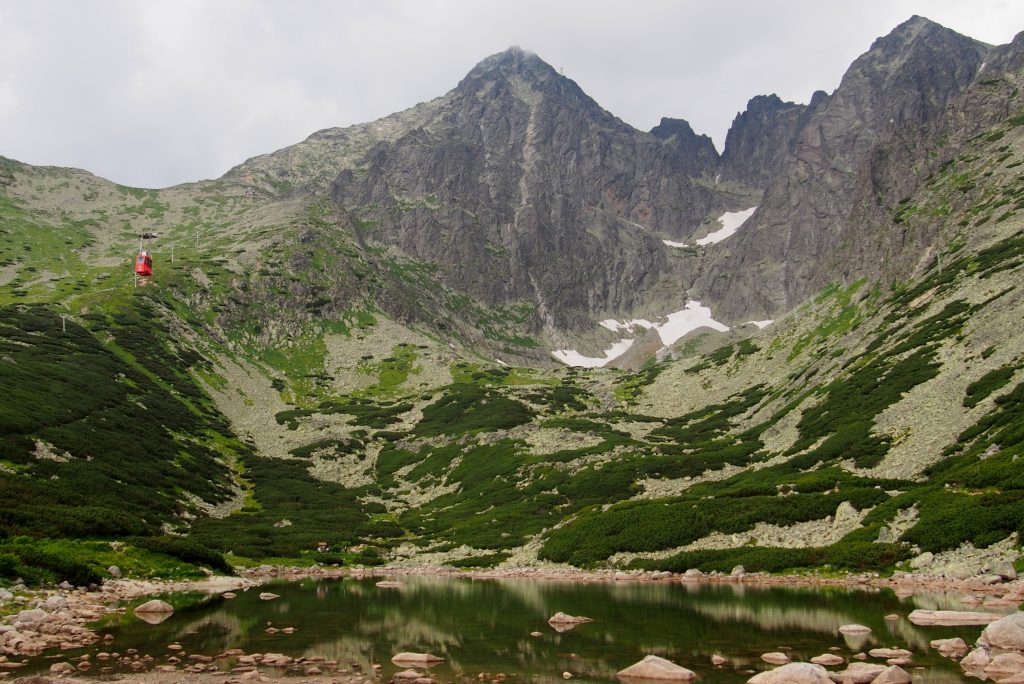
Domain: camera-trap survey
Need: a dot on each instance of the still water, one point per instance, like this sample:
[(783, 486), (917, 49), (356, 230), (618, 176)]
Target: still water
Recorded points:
[(484, 626)]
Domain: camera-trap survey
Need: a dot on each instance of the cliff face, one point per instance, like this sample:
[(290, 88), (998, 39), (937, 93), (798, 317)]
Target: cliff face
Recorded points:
[(810, 227), (760, 139), (521, 188)]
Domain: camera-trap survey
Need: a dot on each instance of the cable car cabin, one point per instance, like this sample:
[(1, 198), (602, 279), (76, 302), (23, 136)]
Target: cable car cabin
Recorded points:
[(144, 264)]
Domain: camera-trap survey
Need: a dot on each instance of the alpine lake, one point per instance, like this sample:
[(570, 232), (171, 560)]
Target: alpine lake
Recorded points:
[(487, 629)]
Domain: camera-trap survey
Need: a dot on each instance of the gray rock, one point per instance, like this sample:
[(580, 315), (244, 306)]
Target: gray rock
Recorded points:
[(1006, 633), (5, 595), (65, 585), (922, 561), (737, 571), (1004, 569), (793, 673), (114, 571)]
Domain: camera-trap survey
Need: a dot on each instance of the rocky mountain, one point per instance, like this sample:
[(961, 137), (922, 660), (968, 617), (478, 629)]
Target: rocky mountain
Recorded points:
[(828, 215), (761, 138), (522, 189), (349, 339)]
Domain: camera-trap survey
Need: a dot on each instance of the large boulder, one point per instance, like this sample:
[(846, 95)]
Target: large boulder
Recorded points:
[(893, 675), (561, 618), (951, 618), (1006, 633), (854, 629), (406, 658), (858, 673), (155, 606), (653, 667), (793, 673), (1005, 664)]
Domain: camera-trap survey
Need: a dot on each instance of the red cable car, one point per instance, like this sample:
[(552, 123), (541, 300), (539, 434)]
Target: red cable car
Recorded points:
[(144, 264)]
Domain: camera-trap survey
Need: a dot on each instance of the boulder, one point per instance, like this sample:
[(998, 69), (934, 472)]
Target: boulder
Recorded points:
[(1004, 569), (922, 561), (976, 659), (406, 658), (653, 667), (889, 653), (827, 659), (389, 584), (1005, 664), (5, 595), (893, 675), (154, 606), (717, 660), (775, 658), (407, 674), (1007, 633), (268, 596), (951, 618), (854, 629), (738, 571), (793, 673), (858, 673), (949, 647), (64, 668), (561, 618), (114, 572)]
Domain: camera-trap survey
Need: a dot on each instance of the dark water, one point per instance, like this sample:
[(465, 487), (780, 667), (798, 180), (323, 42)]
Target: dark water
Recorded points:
[(483, 626)]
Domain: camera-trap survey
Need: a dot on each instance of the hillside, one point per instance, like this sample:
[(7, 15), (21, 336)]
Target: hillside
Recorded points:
[(350, 340)]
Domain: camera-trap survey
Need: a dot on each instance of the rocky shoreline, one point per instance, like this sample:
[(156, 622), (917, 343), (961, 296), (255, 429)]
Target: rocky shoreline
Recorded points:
[(60, 618)]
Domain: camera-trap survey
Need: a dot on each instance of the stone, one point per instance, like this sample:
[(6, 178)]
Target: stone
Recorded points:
[(827, 659), (654, 667), (389, 584), (415, 658), (717, 660), (5, 595), (64, 668), (561, 618), (854, 629), (889, 653), (793, 673), (951, 618), (1004, 569), (567, 675), (976, 659), (775, 658), (66, 586), (891, 617), (114, 572), (858, 673), (738, 571), (407, 674), (893, 675), (1006, 632), (1005, 664), (229, 595), (154, 606), (922, 561), (949, 646), (536, 634), (268, 596)]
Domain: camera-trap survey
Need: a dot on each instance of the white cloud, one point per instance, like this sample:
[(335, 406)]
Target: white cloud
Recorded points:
[(165, 91)]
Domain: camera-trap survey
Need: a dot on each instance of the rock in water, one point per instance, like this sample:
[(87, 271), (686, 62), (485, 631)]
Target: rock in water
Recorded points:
[(858, 673), (561, 618), (793, 673), (775, 658), (1007, 632), (415, 658), (155, 606), (268, 596), (893, 675), (827, 659), (854, 629), (951, 618), (653, 667)]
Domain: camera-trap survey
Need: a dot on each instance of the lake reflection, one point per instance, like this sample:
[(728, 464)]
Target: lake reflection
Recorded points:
[(484, 626)]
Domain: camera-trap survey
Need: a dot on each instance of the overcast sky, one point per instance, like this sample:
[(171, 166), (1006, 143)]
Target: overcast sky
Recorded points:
[(157, 92)]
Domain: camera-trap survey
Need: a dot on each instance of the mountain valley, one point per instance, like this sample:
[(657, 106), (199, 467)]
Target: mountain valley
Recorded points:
[(504, 327)]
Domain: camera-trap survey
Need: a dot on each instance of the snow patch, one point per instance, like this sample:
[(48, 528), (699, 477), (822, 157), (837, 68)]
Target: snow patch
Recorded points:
[(761, 325), (689, 319), (675, 244), (670, 329), (571, 357), (731, 222)]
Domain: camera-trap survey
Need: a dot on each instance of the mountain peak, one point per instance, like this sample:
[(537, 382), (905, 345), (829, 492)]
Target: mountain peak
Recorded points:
[(515, 61)]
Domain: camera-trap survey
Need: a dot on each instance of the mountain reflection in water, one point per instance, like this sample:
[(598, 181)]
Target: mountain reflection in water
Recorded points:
[(481, 626)]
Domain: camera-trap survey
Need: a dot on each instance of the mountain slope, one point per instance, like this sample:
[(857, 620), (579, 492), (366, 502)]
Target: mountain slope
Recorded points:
[(320, 340)]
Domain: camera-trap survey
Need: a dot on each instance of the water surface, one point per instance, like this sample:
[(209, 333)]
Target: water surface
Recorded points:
[(484, 626)]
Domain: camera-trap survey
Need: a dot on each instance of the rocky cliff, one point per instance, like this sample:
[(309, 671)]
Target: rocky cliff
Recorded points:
[(761, 138), (522, 189), (810, 228)]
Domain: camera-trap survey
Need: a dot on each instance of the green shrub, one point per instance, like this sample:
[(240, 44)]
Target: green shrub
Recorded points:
[(184, 549)]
